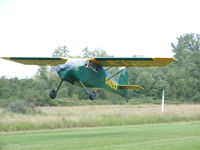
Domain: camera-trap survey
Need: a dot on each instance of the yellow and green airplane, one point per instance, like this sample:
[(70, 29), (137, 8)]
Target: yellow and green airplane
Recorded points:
[(93, 72)]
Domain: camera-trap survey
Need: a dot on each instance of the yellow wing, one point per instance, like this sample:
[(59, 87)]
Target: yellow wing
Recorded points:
[(40, 61), (131, 62)]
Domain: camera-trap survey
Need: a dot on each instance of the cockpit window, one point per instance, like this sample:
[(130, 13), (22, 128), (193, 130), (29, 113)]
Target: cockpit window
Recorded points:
[(71, 63), (60, 67), (86, 64), (92, 66)]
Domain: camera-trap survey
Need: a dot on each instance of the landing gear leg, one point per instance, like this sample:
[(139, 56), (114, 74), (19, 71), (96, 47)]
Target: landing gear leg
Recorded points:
[(53, 92), (91, 94)]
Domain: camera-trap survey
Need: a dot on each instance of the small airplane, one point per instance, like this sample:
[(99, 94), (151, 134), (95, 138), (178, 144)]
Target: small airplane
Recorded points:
[(93, 72)]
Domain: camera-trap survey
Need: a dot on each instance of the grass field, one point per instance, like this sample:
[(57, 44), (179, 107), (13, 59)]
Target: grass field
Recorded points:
[(176, 136), (96, 116)]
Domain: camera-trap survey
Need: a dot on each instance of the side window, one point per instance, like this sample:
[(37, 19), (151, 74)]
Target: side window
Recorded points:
[(91, 66), (86, 64)]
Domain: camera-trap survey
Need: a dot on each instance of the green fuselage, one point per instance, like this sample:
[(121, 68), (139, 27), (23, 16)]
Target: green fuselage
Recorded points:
[(90, 77)]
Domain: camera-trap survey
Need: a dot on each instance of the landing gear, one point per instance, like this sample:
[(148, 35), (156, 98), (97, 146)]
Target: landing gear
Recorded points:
[(91, 94), (53, 92)]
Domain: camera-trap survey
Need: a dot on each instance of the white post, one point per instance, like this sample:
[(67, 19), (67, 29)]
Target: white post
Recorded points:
[(163, 101)]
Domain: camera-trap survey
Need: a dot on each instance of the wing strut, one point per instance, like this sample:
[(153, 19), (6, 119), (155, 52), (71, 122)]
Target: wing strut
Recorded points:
[(112, 65), (113, 76), (92, 94)]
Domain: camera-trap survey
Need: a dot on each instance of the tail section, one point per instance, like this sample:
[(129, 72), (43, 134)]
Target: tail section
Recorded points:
[(123, 84), (123, 79)]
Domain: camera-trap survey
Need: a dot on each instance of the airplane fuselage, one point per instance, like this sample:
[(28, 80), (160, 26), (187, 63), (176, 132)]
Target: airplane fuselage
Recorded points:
[(91, 75)]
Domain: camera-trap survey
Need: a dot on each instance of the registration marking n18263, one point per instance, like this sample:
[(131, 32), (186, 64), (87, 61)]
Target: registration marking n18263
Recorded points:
[(111, 84)]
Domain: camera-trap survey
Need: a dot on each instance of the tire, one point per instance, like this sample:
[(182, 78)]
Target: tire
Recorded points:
[(92, 95), (52, 94)]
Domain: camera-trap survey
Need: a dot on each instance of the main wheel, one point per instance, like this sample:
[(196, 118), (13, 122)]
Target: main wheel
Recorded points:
[(52, 94), (92, 95)]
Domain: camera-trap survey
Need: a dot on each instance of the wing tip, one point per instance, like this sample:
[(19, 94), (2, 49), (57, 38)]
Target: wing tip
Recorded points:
[(6, 58), (40, 61), (174, 59)]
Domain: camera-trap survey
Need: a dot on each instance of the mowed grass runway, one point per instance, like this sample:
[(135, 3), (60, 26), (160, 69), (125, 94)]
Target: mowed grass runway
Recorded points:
[(176, 136)]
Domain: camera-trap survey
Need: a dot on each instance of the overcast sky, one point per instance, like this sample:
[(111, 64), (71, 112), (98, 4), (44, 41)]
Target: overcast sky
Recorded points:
[(120, 27)]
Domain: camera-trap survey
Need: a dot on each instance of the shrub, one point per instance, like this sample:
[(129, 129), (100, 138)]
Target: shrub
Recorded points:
[(22, 106)]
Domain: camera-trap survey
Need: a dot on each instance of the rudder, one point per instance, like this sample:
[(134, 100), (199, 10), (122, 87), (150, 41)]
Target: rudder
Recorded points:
[(123, 85), (123, 79)]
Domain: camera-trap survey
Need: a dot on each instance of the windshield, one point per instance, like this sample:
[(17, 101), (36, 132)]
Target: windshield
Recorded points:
[(71, 63), (76, 62)]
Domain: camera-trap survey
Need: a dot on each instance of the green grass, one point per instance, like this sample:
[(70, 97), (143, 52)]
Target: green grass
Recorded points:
[(97, 116), (177, 136)]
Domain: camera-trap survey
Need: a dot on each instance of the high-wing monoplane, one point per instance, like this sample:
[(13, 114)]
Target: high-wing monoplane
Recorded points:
[(93, 72)]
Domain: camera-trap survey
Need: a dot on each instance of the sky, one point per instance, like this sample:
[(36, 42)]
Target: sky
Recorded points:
[(123, 28)]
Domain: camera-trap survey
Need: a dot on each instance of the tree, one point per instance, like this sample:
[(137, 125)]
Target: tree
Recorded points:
[(61, 51), (98, 52), (187, 49), (187, 66)]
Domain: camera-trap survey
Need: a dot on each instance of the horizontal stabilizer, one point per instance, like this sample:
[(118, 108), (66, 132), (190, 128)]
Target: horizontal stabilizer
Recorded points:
[(130, 87), (40, 61)]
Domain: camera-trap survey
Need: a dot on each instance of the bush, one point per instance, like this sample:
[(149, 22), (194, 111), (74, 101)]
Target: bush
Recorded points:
[(22, 106), (195, 98)]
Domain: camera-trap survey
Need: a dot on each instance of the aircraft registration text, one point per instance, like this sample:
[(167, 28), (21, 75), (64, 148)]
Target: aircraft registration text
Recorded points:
[(111, 84)]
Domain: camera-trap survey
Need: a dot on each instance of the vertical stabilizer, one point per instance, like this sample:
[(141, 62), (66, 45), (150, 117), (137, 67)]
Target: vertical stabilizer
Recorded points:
[(123, 79)]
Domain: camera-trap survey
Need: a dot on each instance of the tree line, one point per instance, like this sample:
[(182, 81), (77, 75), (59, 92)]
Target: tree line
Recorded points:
[(180, 80)]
